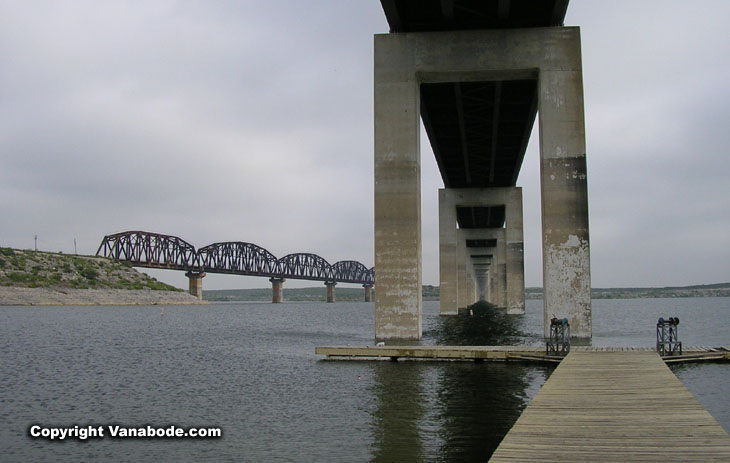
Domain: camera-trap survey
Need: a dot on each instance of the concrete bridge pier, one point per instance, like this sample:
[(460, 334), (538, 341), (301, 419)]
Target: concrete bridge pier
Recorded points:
[(277, 290), (471, 289), (480, 264), (403, 61), (497, 270), (462, 281), (397, 153), (482, 289), (330, 290), (512, 257), (195, 283), (368, 293)]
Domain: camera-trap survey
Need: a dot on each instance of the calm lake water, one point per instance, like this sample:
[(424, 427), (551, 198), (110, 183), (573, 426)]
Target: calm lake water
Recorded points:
[(250, 369)]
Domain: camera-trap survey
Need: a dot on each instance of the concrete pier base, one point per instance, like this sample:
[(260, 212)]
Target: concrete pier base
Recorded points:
[(195, 283), (277, 290), (368, 293), (330, 291)]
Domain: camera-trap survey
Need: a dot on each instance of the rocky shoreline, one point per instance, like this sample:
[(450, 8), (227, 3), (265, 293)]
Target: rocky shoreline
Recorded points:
[(67, 296)]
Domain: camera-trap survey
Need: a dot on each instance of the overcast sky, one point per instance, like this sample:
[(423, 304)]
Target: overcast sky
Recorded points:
[(253, 121)]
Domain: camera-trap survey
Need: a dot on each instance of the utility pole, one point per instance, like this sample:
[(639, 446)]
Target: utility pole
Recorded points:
[(75, 251), (36, 243)]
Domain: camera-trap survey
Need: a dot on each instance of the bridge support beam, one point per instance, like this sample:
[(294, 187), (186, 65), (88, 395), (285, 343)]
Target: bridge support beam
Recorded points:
[(195, 283), (565, 241), (277, 290), (368, 293), (498, 262), (462, 296), (550, 55), (397, 111), (448, 256), (330, 290), (471, 288), (512, 241), (481, 260)]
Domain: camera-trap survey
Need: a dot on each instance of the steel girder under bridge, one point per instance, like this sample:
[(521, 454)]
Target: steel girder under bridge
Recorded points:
[(154, 250)]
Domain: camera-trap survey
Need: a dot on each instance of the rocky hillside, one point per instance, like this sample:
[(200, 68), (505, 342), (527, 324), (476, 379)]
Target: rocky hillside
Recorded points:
[(35, 269)]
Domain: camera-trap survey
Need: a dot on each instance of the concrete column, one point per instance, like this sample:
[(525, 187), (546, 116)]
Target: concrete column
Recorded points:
[(499, 277), (277, 290), (397, 190), (368, 293), (489, 284), (448, 275), (471, 288), (330, 290), (514, 252), (563, 180), (195, 283), (462, 296)]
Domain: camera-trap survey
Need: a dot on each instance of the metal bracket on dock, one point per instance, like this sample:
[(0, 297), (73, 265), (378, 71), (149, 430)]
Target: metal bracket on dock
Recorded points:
[(667, 336), (559, 341)]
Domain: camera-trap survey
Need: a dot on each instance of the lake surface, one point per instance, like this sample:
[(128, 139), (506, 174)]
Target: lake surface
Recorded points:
[(250, 369)]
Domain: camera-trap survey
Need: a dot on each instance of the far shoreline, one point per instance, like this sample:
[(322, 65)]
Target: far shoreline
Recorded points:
[(50, 296)]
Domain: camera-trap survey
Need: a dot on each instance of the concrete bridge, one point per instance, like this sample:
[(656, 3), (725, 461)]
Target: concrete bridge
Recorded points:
[(154, 250), (478, 74)]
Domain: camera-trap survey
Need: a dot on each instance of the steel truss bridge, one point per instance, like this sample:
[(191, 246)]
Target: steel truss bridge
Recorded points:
[(154, 250)]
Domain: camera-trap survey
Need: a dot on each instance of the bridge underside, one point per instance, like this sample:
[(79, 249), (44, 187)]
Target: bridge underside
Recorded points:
[(478, 73)]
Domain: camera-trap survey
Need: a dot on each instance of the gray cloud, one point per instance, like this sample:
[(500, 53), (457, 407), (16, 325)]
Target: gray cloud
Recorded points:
[(253, 121)]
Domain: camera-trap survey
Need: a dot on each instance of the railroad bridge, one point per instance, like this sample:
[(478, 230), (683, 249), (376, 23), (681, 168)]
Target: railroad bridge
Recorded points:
[(478, 74), (154, 250)]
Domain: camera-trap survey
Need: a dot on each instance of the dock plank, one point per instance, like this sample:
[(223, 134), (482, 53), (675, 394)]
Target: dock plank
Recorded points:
[(614, 406)]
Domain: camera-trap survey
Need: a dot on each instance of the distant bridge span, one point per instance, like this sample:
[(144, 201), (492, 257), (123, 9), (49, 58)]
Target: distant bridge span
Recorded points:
[(154, 250)]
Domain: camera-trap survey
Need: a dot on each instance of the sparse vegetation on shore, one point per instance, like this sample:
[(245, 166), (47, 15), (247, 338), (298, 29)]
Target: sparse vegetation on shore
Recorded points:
[(37, 269)]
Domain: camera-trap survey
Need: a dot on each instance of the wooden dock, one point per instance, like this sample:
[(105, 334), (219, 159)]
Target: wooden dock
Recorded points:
[(501, 353), (617, 406)]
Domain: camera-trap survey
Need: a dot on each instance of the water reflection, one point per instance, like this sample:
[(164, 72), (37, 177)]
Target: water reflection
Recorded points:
[(480, 325), (452, 411), (399, 410), (480, 404)]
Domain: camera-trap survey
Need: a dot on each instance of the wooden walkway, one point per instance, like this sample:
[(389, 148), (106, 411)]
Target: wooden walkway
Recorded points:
[(501, 353), (614, 406)]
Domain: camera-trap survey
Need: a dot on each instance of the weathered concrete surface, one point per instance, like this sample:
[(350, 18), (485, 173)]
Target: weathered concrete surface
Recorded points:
[(66, 296), (566, 248), (498, 267), (402, 61), (277, 290), (195, 283), (448, 276), (397, 191), (481, 272), (368, 293), (514, 266), (330, 291), (462, 295)]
